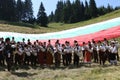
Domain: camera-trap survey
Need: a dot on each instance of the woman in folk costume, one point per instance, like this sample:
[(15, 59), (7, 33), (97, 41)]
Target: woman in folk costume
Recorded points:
[(49, 53), (95, 52), (68, 52), (41, 54), (27, 51), (113, 54), (19, 54), (88, 53), (57, 55), (77, 49), (102, 53)]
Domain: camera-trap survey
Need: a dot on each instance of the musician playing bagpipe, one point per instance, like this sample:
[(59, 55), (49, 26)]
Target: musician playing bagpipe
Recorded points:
[(27, 51), (34, 54), (63, 54), (102, 52), (57, 55), (77, 52), (19, 54), (95, 52), (68, 52)]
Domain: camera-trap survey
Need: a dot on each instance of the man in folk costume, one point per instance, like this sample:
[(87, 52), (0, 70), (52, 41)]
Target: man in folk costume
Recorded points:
[(63, 54), (95, 53), (34, 53), (117, 45), (83, 49), (8, 52), (13, 45), (102, 53), (27, 51), (68, 52), (57, 55), (77, 49), (2, 45), (23, 43), (88, 53), (113, 53), (19, 54), (107, 47)]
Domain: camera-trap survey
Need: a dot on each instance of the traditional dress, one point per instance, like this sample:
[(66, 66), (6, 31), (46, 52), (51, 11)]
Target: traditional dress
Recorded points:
[(49, 55), (88, 54), (41, 55)]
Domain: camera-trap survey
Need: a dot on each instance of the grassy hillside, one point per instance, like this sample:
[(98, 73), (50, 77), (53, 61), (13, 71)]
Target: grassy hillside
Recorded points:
[(53, 27)]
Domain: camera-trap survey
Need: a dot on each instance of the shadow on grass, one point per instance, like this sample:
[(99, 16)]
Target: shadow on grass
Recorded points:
[(23, 74)]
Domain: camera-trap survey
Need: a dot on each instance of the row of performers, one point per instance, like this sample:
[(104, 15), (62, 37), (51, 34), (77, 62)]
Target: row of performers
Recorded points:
[(42, 53)]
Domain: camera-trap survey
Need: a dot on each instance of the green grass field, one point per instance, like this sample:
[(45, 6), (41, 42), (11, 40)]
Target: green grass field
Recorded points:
[(52, 27), (93, 72), (84, 72)]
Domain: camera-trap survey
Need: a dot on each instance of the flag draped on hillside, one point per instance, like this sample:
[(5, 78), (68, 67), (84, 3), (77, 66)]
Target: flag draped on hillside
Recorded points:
[(107, 29)]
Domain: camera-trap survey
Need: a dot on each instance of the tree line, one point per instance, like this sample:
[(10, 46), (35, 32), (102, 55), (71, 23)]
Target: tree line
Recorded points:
[(66, 12), (76, 11), (22, 11)]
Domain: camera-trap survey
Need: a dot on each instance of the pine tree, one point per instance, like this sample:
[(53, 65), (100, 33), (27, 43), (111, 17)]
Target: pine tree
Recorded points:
[(87, 11), (42, 18), (82, 12), (1, 9), (93, 9), (67, 12), (102, 10), (51, 17), (19, 10), (7, 10), (109, 8), (28, 11), (59, 12)]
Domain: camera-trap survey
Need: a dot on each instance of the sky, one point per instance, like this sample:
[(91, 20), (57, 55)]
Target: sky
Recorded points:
[(50, 5)]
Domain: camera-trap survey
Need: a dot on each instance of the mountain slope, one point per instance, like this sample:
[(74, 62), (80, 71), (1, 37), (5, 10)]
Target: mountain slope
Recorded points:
[(54, 27)]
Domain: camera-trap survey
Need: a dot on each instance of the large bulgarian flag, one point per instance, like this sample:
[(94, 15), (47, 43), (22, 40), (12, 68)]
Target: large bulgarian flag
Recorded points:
[(107, 29)]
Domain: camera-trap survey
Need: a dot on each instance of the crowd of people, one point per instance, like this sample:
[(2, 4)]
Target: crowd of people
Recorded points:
[(44, 53)]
